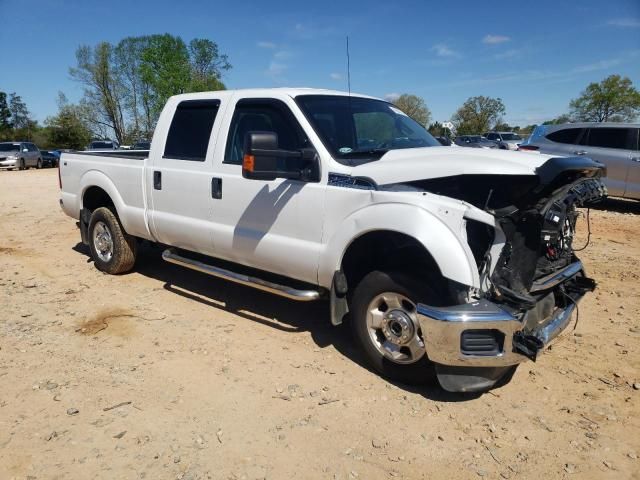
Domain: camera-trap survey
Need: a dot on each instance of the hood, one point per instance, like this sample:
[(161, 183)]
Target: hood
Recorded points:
[(405, 165)]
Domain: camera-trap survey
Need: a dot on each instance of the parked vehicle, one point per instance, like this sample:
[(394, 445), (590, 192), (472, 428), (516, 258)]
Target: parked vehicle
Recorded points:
[(103, 145), (49, 158), (505, 140), (474, 141), (21, 155), (616, 145), (444, 141), (142, 145), (458, 262)]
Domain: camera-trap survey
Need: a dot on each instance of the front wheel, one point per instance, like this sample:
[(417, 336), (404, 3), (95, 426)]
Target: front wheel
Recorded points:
[(22, 165), (385, 325), (39, 164), (112, 249)]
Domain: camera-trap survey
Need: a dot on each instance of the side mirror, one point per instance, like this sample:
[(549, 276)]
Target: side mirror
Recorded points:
[(264, 160), (25, 150)]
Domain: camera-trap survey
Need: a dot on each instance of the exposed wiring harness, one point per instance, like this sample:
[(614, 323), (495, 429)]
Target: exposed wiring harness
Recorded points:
[(588, 233)]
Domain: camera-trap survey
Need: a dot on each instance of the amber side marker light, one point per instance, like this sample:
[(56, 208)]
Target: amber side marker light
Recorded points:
[(248, 163)]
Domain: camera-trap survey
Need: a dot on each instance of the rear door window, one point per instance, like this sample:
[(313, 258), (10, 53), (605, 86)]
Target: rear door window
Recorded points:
[(610, 137), (566, 135), (190, 130)]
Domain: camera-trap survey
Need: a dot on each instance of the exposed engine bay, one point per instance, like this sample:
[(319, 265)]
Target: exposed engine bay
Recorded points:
[(537, 270)]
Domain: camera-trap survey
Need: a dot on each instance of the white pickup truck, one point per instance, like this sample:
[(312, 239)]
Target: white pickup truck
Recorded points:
[(458, 262)]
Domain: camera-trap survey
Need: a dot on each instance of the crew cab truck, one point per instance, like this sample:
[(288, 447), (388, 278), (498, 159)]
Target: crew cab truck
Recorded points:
[(458, 262)]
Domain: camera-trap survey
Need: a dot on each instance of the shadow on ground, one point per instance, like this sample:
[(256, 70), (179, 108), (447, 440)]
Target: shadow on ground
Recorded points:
[(273, 311), (619, 205)]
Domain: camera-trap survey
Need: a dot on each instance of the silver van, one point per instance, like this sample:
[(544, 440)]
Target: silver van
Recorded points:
[(19, 155), (617, 145)]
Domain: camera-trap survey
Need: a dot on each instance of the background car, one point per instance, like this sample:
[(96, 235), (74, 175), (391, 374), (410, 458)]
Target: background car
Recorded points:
[(49, 158), (617, 145), (444, 141), (474, 141), (21, 155), (505, 140), (103, 145), (141, 145)]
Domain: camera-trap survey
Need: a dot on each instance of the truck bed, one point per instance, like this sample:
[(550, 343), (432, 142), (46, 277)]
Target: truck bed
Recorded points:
[(120, 173)]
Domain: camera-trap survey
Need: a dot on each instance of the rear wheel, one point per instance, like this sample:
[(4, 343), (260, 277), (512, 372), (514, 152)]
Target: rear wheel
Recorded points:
[(385, 325), (112, 249), (39, 164)]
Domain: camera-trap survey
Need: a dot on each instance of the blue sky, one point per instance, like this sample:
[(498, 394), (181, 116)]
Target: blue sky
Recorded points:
[(535, 55)]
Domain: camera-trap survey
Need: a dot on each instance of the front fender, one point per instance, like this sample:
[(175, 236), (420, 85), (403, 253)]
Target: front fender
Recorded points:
[(444, 241)]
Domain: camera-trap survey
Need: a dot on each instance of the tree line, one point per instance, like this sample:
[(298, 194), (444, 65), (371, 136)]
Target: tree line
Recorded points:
[(125, 87), (614, 99)]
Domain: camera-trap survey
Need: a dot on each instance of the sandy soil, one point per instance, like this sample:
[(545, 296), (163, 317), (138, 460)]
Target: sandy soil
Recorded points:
[(165, 373)]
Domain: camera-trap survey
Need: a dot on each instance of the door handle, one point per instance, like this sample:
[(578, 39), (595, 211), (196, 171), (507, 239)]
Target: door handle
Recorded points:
[(157, 180), (216, 188), (580, 152)]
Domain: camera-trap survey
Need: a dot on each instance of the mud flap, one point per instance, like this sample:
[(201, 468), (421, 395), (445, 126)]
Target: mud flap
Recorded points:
[(85, 217)]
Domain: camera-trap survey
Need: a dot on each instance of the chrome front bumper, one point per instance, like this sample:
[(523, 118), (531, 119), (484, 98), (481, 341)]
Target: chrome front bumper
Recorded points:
[(443, 329)]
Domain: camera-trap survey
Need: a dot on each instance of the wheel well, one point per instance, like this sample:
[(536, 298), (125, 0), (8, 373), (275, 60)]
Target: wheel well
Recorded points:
[(95, 197), (388, 251)]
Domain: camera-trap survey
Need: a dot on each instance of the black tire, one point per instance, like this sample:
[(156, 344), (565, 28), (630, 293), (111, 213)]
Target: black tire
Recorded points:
[(39, 164), (22, 165), (124, 246), (376, 283)]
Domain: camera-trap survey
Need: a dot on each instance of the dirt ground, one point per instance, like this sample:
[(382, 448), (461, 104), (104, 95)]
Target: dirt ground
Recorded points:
[(166, 373)]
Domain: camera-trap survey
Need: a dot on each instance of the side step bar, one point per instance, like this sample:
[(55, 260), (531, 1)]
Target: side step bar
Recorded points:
[(170, 255)]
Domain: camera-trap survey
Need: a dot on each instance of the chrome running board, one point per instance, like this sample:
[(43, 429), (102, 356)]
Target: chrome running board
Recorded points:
[(169, 255)]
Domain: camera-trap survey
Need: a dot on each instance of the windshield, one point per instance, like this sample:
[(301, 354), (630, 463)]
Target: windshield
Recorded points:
[(362, 128), (511, 136), (9, 147)]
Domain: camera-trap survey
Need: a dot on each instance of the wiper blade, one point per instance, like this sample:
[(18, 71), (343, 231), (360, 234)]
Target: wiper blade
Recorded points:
[(377, 152)]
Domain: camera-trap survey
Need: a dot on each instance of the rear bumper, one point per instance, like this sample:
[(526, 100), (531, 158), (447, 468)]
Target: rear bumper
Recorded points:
[(451, 334)]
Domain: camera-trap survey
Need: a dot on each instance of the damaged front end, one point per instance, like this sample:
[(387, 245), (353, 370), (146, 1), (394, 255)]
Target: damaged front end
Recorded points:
[(531, 278)]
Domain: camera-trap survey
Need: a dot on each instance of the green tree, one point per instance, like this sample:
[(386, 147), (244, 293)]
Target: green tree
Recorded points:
[(22, 123), (5, 118), (478, 115), (67, 129), (564, 118), (207, 65), (165, 67), (415, 107), (438, 130), (104, 91), (613, 99), (136, 94)]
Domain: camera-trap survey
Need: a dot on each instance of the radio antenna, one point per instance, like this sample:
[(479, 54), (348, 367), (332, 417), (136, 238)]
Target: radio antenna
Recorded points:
[(348, 68)]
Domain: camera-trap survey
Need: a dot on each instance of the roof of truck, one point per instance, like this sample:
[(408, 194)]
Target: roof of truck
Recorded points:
[(292, 92)]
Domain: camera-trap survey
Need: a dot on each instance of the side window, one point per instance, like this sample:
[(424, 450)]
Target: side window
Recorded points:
[(190, 130), (492, 136), (262, 116), (566, 135), (610, 138), (32, 148)]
